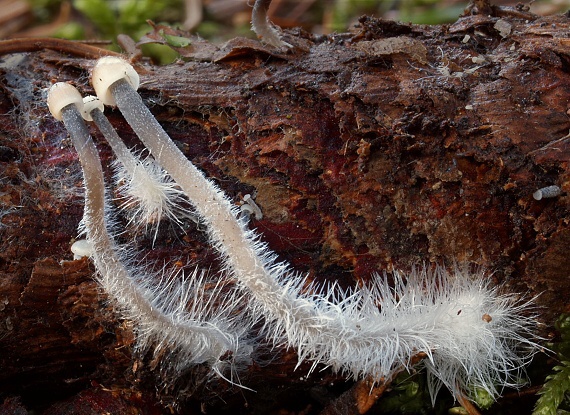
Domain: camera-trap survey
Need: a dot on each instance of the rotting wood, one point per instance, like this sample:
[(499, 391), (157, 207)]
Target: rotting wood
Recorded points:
[(360, 161)]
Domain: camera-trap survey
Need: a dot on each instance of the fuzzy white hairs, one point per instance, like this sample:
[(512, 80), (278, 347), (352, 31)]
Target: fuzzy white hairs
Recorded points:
[(175, 316), (471, 336), (147, 191)]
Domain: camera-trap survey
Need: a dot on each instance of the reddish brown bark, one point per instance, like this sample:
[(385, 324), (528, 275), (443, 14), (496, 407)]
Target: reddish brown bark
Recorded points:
[(392, 146)]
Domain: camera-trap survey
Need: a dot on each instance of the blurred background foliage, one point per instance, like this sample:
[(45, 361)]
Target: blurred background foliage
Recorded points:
[(217, 20)]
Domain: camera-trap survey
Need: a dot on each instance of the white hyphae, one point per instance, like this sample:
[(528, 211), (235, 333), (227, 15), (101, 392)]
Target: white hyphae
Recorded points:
[(471, 336)]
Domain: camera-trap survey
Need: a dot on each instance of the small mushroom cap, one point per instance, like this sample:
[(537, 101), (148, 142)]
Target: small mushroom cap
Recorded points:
[(81, 248), (547, 192), (109, 70), (537, 195), (60, 95), (91, 102)]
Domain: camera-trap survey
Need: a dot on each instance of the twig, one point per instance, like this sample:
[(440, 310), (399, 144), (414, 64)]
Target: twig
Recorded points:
[(35, 44), (467, 405)]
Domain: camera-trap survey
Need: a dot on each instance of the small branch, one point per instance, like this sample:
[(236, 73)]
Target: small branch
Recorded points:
[(484, 7), (467, 405), (59, 45)]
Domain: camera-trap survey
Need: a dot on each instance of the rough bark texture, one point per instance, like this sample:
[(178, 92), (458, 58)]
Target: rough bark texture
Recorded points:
[(377, 150)]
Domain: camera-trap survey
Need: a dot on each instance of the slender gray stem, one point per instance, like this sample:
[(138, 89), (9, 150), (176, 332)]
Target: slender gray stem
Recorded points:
[(118, 146), (150, 194), (114, 277), (263, 28), (228, 235)]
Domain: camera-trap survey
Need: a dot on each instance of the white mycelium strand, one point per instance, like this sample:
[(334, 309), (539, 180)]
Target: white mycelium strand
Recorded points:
[(148, 192), (469, 333), (176, 318)]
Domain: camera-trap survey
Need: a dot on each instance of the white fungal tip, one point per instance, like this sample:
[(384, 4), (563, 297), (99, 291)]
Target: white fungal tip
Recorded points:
[(81, 248), (547, 192), (60, 95), (90, 103), (109, 70)]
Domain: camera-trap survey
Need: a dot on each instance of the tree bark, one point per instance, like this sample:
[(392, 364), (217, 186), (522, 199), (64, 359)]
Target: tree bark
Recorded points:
[(386, 148)]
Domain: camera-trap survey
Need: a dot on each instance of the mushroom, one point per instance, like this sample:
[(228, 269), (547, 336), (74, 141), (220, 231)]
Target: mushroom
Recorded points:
[(115, 82), (66, 104), (81, 248), (194, 333)]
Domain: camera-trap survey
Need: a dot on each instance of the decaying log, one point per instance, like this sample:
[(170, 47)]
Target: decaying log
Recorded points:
[(389, 147)]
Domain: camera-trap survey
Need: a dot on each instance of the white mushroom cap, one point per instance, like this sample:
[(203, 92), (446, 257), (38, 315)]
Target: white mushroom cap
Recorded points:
[(109, 70), (91, 102), (60, 95), (81, 248)]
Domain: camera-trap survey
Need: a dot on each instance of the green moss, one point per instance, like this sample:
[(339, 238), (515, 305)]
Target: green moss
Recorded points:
[(555, 393)]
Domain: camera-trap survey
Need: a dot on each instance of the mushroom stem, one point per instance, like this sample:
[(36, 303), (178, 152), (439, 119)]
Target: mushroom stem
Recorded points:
[(93, 111), (147, 187), (264, 28), (226, 232), (199, 334)]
